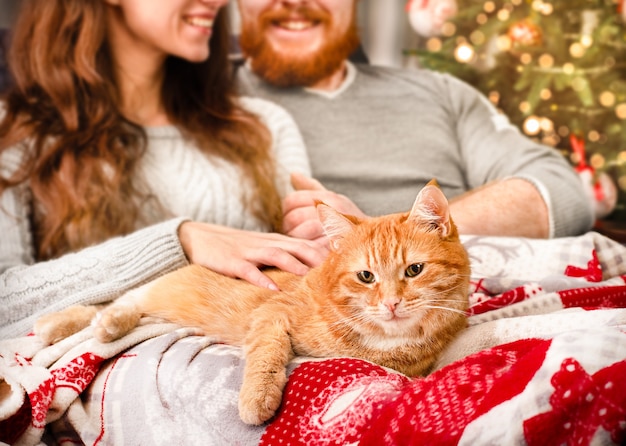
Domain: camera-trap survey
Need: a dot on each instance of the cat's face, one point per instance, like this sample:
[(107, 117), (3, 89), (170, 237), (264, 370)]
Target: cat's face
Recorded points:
[(394, 280), (399, 277)]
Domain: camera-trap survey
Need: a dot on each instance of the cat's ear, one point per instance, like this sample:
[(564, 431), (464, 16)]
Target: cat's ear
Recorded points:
[(335, 224), (431, 207)]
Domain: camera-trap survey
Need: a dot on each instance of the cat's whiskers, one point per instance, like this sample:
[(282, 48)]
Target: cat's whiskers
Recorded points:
[(352, 320), (437, 307), (434, 304), (428, 300)]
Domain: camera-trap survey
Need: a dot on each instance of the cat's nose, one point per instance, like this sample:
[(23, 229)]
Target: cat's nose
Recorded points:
[(391, 304)]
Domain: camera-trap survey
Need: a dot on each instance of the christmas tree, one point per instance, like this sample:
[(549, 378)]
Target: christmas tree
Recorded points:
[(556, 68)]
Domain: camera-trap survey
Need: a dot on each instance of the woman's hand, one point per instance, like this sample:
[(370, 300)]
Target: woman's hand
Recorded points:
[(299, 208), (238, 253)]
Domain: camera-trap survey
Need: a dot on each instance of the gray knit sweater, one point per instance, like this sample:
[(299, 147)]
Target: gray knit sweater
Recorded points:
[(386, 132), (188, 184)]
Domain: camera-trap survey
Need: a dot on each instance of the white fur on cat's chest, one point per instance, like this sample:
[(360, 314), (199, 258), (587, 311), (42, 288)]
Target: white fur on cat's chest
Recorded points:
[(386, 342)]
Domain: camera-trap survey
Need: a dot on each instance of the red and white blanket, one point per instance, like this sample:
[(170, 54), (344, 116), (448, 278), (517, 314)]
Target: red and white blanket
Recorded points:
[(542, 362)]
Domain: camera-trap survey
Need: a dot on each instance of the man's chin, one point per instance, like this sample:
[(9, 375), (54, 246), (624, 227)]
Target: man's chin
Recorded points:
[(294, 48), (286, 73)]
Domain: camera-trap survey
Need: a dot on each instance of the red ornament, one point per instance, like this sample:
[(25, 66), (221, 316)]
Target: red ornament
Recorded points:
[(599, 188), (525, 34)]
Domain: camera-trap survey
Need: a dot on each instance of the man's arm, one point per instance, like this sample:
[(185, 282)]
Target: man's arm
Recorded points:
[(484, 211), (493, 149), (488, 211)]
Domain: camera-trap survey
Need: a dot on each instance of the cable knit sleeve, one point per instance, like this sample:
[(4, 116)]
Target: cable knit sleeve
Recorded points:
[(93, 275)]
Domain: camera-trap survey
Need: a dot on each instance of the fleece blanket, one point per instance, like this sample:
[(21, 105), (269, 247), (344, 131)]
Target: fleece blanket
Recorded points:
[(542, 362)]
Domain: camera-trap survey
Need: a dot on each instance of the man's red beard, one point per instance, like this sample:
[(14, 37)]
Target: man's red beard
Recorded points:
[(292, 69)]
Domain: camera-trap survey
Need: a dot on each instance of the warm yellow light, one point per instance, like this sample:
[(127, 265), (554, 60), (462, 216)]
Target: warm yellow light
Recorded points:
[(477, 37), (532, 126), (586, 41), (526, 58), (593, 136), (577, 50), (607, 99), (597, 161), (489, 6), (434, 44), (546, 124), (464, 53), (569, 68), (504, 43), (524, 107), (494, 97), (546, 61), (620, 111)]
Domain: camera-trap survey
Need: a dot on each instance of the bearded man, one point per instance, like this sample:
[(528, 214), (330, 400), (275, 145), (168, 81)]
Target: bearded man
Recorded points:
[(377, 135)]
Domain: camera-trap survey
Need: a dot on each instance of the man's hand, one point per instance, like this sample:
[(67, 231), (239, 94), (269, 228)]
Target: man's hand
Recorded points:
[(300, 216), (238, 253)]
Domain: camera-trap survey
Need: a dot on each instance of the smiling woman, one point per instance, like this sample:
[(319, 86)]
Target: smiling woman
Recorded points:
[(180, 28), (115, 135), (126, 154)]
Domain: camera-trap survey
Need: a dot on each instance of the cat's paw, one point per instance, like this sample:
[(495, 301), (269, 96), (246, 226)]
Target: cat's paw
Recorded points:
[(260, 398), (54, 327), (114, 322)]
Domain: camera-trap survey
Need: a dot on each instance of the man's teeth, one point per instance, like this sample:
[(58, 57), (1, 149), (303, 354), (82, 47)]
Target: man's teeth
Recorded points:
[(296, 26), (200, 21)]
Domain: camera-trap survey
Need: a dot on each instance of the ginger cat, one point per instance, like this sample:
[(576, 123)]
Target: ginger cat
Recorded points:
[(393, 290)]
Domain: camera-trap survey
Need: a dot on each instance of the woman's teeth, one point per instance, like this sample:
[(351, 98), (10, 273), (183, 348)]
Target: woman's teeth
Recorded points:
[(200, 21)]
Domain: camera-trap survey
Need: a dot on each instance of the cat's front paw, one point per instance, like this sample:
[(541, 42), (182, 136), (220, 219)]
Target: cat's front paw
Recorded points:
[(54, 327), (114, 322), (260, 397)]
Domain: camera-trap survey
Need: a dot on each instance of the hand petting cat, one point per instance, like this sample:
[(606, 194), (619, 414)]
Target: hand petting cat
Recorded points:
[(240, 254), (300, 218)]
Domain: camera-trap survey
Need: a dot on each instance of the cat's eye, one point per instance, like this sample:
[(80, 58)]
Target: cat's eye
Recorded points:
[(365, 276), (414, 269)]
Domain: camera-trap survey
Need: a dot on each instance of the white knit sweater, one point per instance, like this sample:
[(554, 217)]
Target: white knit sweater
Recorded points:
[(188, 184)]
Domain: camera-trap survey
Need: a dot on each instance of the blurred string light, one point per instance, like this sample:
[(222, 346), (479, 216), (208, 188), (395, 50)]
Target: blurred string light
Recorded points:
[(464, 53)]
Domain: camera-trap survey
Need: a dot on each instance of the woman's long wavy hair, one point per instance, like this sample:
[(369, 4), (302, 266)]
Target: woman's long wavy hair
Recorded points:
[(82, 151)]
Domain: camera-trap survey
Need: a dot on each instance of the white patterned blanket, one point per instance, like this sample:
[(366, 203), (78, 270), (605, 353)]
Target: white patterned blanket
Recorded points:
[(542, 362)]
